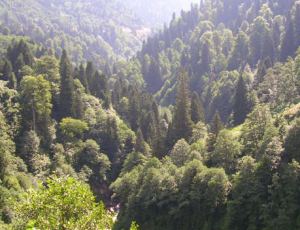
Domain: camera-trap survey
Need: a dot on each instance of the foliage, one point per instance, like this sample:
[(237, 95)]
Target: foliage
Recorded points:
[(73, 127), (59, 204)]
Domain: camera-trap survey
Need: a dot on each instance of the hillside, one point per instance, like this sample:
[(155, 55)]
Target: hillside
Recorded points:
[(198, 130), (89, 30), (157, 12), (216, 43)]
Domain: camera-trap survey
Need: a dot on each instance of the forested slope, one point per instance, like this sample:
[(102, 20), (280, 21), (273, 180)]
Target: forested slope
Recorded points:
[(200, 130), (94, 30), (216, 42)]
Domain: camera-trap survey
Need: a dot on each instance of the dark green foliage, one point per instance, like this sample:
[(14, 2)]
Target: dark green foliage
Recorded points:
[(288, 43), (102, 126), (197, 110), (8, 75), (297, 26), (292, 142), (99, 88), (241, 105), (67, 94), (216, 124), (181, 124), (83, 78)]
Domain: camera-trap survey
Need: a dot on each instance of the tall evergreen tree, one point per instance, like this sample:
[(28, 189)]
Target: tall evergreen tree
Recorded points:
[(205, 58), (288, 43), (67, 97), (140, 143), (89, 74), (240, 108), (182, 122), (297, 24), (197, 110), (217, 124), (153, 77), (8, 75), (99, 87), (83, 78), (27, 55)]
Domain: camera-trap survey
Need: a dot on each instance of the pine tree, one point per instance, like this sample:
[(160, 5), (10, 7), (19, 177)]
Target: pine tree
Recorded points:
[(27, 55), (205, 58), (8, 75), (140, 143), (197, 110), (297, 24), (182, 123), (288, 43), (89, 74), (217, 124), (82, 78), (153, 77), (100, 88), (240, 108), (67, 102)]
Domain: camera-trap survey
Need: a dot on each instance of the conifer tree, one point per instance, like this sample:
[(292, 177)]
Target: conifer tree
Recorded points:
[(89, 74), (288, 43), (205, 58), (217, 124), (82, 78), (8, 75), (153, 77), (140, 143), (240, 108), (99, 87), (297, 24), (197, 110), (67, 102), (182, 123), (27, 55)]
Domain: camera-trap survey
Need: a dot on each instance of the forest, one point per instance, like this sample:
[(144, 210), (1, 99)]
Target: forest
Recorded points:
[(111, 118)]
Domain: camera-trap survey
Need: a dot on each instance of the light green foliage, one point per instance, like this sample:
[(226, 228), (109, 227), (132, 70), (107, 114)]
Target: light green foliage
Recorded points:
[(62, 203), (258, 131), (90, 156), (7, 146), (72, 127), (150, 189), (36, 92), (10, 107), (180, 153), (48, 66), (292, 141), (134, 226), (226, 152)]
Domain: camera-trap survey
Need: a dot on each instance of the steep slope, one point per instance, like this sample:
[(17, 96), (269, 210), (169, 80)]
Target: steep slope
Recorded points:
[(155, 13), (96, 30), (217, 42)]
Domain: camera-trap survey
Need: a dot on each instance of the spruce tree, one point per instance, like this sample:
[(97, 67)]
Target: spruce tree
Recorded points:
[(140, 143), (205, 58), (197, 110), (100, 88), (288, 43), (297, 24), (240, 108), (67, 94), (82, 78), (8, 75), (153, 77), (182, 122), (27, 55), (217, 124), (89, 74)]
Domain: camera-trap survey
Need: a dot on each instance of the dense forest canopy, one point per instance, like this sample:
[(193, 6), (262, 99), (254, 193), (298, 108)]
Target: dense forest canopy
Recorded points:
[(199, 128)]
